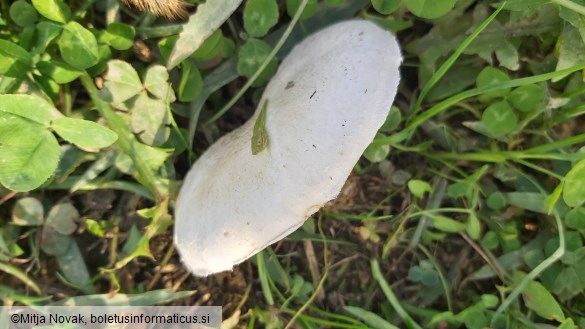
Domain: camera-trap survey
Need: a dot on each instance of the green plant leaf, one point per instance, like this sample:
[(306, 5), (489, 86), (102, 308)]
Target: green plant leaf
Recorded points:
[(55, 10), (460, 189), (301, 288), (424, 273), (376, 153), (177, 141), (446, 224), (23, 14), (464, 188), (455, 80), (429, 8), (386, 7), (490, 240), (215, 80), (191, 82), (534, 257), (63, 218), (507, 55), (28, 107), (573, 17), (71, 158), (568, 324), (489, 301), (553, 198), (29, 153), (122, 82), (28, 212), (120, 36), (208, 49), (138, 248), (532, 201), (78, 46), (259, 140), (74, 269), (15, 61), (54, 243), (97, 228), (419, 187), (47, 87), (496, 201), (499, 119), (251, 56), (58, 71), (568, 282), (166, 45), (84, 133), (527, 98), (293, 5), (575, 218), (489, 76), (473, 317), (150, 120), (574, 187), (208, 18), (104, 161), (155, 81), (45, 33), (104, 54), (473, 226), (392, 120), (572, 50), (541, 301), (260, 16), (153, 157)]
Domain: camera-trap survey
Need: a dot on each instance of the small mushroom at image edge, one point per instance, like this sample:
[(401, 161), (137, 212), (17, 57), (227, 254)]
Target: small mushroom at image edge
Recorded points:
[(259, 183)]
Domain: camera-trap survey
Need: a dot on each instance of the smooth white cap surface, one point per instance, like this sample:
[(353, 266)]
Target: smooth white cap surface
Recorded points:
[(326, 102)]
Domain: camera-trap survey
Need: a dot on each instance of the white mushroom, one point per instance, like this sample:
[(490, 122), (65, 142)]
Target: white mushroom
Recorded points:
[(325, 104)]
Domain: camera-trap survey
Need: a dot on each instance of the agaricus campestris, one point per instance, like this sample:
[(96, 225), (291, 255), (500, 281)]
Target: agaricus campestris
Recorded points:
[(322, 109)]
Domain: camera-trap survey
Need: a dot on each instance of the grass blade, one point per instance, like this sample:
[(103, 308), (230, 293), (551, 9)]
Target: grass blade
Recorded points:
[(208, 18), (269, 58), (17, 273), (451, 60), (370, 318), (440, 107), (264, 277), (148, 298), (409, 321)]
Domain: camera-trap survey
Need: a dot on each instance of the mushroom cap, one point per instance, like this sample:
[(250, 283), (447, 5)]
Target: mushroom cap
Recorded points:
[(326, 102)]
